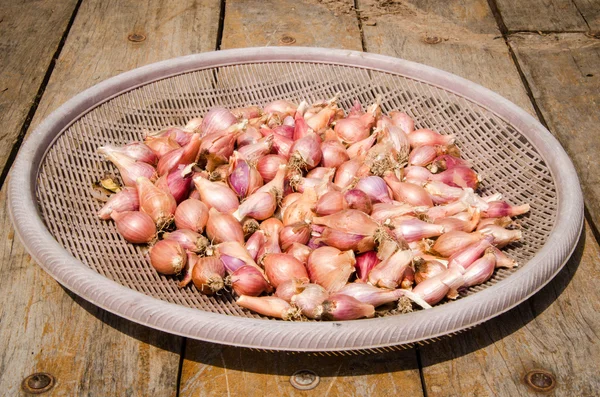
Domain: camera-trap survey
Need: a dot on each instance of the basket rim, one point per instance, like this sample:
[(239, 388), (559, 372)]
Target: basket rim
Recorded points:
[(279, 335)]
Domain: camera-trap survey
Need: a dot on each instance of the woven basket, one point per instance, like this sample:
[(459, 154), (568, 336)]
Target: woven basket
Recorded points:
[(54, 212)]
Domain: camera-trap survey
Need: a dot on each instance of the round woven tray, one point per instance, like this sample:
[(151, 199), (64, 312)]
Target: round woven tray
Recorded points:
[(53, 210)]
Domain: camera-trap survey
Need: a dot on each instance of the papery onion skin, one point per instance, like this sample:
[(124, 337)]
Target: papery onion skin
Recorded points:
[(216, 194), (344, 307), (268, 166), (217, 119), (299, 251), (280, 268), (333, 154), (289, 288), (271, 306), (330, 267), (160, 205), (189, 240), (134, 226), (248, 280), (294, 233), (427, 269), (129, 169), (168, 257), (222, 227), (124, 200), (358, 200), (309, 300), (367, 293), (191, 214), (208, 274)]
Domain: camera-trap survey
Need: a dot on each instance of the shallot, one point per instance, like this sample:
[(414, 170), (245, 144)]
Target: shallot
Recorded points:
[(307, 211)]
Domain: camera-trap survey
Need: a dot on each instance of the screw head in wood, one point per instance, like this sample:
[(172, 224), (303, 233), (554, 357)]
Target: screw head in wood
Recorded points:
[(593, 35), (304, 379), (540, 380), (432, 39), (287, 40), (37, 383), (136, 37)]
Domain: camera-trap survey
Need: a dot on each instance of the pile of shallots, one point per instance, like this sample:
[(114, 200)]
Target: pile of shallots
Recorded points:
[(304, 211)]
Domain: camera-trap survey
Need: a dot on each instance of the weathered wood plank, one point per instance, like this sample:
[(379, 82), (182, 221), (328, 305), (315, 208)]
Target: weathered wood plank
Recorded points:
[(43, 327), (27, 48), (556, 330), (223, 370), (98, 46), (564, 76), (460, 37), (549, 15), (210, 369), (252, 23)]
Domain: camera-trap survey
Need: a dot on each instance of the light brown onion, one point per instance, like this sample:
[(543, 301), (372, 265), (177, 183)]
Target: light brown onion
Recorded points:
[(248, 280), (271, 306), (216, 194), (330, 267), (222, 227), (135, 227), (294, 233), (208, 275), (191, 214), (268, 166), (124, 200), (280, 268), (129, 169), (168, 257), (160, 205)]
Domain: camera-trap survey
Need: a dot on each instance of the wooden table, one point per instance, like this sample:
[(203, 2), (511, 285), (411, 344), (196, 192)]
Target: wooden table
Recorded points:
[(544, 55)]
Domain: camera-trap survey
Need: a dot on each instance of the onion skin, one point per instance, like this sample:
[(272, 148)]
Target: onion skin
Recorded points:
[(271, 306), (223, 227), (248, 280), (134, 226), (160, 205), (344, 307), (208, 274), (124, 200), (330, 267), (191, 214), (168, 257), (283, 267), (318, 196)]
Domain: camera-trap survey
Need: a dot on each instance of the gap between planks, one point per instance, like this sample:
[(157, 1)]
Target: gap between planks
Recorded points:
[(38, 96)]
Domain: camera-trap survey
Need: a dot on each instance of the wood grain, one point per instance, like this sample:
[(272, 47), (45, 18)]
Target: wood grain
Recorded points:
[(224, 370), (98, 46), (253, 23), (46, 328), (460, 37), (210, 369), (27, 48), (556, 330), (563, 72), (550, 15)]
